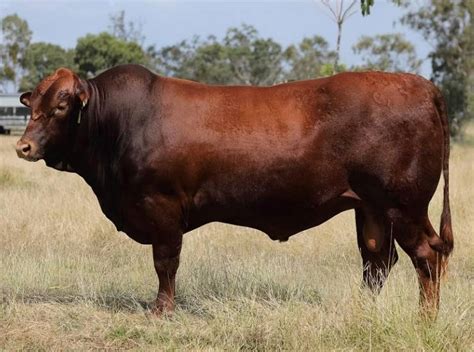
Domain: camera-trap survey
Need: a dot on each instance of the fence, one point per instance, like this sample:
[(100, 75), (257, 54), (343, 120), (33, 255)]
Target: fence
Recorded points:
[(11, 124)]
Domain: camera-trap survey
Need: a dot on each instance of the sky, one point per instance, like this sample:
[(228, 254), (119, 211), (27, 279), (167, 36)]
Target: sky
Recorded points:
[(167, 22)]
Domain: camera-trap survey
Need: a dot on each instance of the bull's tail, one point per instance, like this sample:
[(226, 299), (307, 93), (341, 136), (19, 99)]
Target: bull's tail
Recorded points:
[(446, 230)]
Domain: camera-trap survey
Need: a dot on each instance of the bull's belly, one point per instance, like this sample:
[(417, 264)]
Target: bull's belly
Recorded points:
[(278, 220)]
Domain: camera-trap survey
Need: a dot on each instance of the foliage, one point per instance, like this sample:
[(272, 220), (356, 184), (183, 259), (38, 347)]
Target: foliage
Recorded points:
[(199, 60), (242, 57), (329, 69), (310, 58), (387, 52), (42, 59), (95, 53), (16, 38), (253, 60), (447, 25), (366, 5)]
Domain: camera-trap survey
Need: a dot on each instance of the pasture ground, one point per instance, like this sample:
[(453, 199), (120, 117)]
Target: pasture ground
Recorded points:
[(69, 281)]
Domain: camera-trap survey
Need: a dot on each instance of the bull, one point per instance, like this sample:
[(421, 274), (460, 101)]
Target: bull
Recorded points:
[(165, 156)]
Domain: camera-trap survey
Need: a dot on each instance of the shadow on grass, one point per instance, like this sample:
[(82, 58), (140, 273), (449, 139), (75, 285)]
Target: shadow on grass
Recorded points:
[(113, 303), (189, 304)]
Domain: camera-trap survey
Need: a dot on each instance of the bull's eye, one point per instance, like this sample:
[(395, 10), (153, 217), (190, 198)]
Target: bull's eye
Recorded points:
[(58, 110)]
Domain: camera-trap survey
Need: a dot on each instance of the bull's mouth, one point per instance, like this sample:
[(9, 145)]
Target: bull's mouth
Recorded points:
[(32, 158), (55, 163)]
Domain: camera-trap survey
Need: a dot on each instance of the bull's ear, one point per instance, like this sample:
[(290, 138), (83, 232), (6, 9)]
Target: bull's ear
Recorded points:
[(25, 99)]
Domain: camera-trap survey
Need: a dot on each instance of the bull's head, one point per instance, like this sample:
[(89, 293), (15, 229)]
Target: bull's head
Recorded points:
[(55, 104)]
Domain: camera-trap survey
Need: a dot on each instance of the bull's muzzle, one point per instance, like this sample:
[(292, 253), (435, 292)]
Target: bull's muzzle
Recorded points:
[(25, 150)]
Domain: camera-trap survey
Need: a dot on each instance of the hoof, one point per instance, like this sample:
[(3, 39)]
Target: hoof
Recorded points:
[(161, 309)]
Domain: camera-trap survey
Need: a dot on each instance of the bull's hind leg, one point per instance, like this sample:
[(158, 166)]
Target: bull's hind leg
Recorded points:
[(377, 248), (420, 241)]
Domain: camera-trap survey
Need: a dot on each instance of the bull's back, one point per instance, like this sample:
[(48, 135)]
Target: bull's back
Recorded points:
[(343, 117)]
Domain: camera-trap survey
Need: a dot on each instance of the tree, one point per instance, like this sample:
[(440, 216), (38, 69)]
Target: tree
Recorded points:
[(339, 14), (95, 53), (447, 25), (387, 52), (254, 60), (241, 57), (41, 59), (199, 60), (16, 38), (309, 59), (126, 31)]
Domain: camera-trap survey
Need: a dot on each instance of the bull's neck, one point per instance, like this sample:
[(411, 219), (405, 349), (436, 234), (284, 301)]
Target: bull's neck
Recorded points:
[(94, 148)]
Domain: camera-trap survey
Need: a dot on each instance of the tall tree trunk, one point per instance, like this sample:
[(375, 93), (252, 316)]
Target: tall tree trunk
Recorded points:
[(338, 47)]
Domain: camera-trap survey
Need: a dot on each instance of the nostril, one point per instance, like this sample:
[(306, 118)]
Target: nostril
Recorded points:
[(25, 148)]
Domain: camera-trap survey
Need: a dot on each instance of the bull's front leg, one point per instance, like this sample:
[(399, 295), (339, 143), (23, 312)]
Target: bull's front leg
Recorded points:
[(166, 261)]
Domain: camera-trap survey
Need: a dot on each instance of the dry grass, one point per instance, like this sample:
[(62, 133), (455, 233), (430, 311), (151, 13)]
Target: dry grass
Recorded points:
[(68, 281)]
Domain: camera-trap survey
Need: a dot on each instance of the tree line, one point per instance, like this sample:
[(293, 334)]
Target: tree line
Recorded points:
[(243, 56)]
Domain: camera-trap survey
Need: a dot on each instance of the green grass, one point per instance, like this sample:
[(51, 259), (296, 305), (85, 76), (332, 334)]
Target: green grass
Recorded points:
[(69, 281)]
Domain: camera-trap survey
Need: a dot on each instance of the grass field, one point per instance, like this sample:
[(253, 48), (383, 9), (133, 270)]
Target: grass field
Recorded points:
[(69, 281)]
